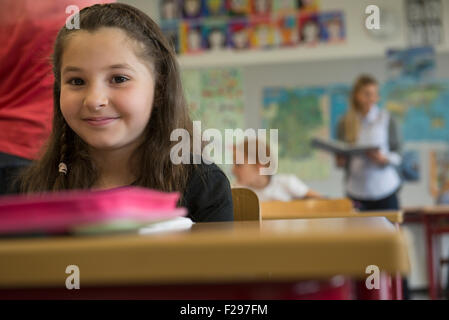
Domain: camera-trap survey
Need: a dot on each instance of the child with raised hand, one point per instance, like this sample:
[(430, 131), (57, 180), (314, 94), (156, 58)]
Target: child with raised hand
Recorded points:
[(117, 98), (268, 187)]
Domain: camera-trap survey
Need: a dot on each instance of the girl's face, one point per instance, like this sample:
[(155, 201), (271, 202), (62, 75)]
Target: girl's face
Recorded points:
[(366, 97), (106, 90)]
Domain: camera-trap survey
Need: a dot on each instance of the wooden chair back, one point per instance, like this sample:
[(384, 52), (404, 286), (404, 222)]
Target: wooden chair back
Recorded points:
[(246, 205)]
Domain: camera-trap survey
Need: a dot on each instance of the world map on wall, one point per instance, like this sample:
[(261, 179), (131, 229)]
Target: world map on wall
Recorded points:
[(216, 98), (421, 109), (299, 115)]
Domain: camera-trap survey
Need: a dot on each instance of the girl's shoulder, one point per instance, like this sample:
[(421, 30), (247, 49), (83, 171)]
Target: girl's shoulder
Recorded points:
[(205, 175), (208, 194)]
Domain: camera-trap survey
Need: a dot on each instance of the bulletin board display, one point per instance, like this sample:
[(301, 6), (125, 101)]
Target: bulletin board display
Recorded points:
[(198, 26)]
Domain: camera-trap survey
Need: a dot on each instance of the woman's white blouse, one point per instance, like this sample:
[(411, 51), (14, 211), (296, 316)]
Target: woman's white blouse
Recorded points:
[(367, 180)]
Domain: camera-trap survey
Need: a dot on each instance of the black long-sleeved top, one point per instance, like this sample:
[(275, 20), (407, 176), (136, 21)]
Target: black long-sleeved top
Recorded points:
[(207, 196)]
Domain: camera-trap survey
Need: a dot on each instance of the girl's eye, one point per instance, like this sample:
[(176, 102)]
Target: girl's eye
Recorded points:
[(76, 81), (119, 79)]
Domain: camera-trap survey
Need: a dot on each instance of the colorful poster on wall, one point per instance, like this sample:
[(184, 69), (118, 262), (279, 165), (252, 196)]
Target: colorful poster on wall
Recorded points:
[(263, 33), (215, 97), (191, 83), (215, 35), (284, 6), (309, 29), (332, 26), (261, 7), (239, 7), (191, 37), (299, 114), (308, 5), (215, 8), (169, 10), (191, 9), (248, 24), (288, 30), (239, 34)]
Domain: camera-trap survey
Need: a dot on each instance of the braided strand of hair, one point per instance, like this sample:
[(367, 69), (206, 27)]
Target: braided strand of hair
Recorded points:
[(61, 181)]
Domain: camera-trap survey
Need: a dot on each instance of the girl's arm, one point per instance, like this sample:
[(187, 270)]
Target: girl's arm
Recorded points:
[(299, 190)]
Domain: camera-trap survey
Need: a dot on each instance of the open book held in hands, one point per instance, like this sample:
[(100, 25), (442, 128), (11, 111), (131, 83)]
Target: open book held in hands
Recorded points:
[(341, 148)]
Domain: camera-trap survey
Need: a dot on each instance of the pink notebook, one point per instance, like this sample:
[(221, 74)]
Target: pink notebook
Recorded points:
[(62, 211)]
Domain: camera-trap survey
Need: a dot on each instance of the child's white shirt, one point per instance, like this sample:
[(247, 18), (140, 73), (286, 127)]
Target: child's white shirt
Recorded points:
[(282, 187)]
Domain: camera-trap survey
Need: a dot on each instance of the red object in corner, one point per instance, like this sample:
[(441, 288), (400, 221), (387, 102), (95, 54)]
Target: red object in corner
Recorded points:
[(28, 29)]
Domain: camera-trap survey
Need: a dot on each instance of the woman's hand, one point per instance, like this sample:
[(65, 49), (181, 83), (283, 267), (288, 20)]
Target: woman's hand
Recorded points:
[(377, 157)]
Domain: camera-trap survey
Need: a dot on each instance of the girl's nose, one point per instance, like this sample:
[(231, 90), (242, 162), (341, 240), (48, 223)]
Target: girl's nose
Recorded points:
[(95, 98)]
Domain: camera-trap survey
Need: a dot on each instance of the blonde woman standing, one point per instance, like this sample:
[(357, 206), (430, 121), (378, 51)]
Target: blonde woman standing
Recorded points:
[(372, 180)]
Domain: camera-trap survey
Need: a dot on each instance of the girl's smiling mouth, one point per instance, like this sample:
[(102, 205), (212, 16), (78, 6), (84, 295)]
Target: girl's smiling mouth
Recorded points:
[(100, 121)]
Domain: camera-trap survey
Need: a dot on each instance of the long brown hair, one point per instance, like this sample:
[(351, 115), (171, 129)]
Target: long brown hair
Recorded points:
[(155, 169), (351, 121)]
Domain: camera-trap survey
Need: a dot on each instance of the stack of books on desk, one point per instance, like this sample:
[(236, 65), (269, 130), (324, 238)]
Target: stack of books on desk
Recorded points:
[(83, 211)]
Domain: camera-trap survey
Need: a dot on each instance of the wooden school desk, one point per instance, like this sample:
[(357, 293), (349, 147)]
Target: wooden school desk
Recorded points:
[(435, 220), (392, 216), (215, 260), (285, 210)]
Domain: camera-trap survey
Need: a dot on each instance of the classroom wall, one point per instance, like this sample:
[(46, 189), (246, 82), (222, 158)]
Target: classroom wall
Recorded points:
[(332, 72), (345, 70), (335, 71)]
